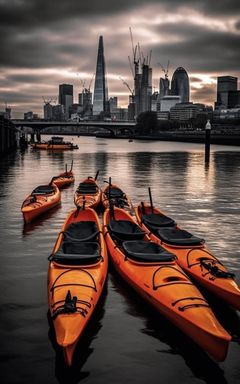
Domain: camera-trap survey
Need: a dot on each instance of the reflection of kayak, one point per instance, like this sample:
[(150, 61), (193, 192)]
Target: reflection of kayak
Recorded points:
[(55, 143), (117, 196), (88, 193), (42, 198), (76, 276), (192, 255), (153, 273)]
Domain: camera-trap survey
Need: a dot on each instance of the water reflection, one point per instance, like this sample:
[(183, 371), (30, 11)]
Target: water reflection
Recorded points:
[(202, 198), (157, 326)]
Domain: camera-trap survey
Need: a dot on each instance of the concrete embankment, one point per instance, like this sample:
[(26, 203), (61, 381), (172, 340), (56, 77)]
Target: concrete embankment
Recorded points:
[(8, 139), (194, 137)]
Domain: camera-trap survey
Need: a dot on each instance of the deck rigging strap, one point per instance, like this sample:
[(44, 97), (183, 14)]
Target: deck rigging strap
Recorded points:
[(69, 306), (214, 270)]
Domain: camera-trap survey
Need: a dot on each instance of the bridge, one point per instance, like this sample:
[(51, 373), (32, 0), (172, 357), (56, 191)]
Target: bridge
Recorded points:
[(112, 126)]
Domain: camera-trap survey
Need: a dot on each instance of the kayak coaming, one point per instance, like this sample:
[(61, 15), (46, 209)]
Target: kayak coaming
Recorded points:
[(69, 327), (160, 285), (189, 257), (89, 200), (42, 203)]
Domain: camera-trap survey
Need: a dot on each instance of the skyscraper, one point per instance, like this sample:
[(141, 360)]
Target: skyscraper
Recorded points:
[(66, 97), (100, 99), (180, 84), (225, 84)]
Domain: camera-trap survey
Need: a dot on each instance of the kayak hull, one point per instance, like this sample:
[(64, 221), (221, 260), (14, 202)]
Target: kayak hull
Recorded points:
[(88, 194), (84, 281), (41, 204), (168, 289), (189, 259)]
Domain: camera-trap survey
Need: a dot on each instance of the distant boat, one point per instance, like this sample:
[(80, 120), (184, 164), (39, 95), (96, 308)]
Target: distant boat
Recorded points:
[(56, 142)]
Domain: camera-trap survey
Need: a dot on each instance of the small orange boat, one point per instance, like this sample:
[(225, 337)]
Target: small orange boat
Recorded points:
[(88, 193), (42, 198), (116, 195), (154, 274), (65, 178), (56, 143), (76, 276), (192, 254)]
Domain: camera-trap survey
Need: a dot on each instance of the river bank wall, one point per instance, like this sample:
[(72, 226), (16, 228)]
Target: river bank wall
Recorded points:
[(8, 139)]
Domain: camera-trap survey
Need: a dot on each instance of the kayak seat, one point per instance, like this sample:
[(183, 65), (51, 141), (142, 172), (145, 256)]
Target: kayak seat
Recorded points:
[(82, 231), (146, 251), (43, 190), (115, 193), (157, 220), (125, 230), (177, 236), (87, 188), (77, 253)]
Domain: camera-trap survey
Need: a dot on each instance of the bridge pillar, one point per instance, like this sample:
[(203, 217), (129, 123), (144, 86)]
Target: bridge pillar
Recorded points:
[(32, 138), (38, 136)]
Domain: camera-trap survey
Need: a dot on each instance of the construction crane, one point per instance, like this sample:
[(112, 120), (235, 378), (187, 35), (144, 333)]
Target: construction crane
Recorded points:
[(165, 70), (127, 85), (47, 101), (89, 87)]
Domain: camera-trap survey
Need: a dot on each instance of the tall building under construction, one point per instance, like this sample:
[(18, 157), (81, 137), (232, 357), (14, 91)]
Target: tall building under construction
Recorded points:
[(100, 99)]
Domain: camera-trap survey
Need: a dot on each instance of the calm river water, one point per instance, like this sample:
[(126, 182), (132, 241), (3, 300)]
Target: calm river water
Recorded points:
[(127, 341)]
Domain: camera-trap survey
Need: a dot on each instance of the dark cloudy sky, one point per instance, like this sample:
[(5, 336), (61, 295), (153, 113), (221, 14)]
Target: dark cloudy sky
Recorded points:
[(44, 43)]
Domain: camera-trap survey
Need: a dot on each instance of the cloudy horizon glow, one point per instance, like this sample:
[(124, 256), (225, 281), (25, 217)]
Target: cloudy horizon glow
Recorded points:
[(44, 44)]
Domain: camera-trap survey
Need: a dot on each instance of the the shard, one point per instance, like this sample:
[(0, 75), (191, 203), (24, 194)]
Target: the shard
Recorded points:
[(100, 99)]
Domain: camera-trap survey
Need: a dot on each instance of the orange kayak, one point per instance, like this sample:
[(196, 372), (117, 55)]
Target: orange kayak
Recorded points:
[(192, 254), (117, 196), (154, 274), (76, 276), (42, 198), (88, 193), (64, 179)]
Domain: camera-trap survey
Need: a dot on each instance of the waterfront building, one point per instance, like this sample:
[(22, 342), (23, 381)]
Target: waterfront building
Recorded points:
[(233, 99), (163, 87), (66, 97), (180, 84), (154, 101), (100, 98), (28, 115), (131, 108), (47, 111), (168, 102), (225, 84), (58, 113), (142, 88), (113, 103), (85, 100), (183, 111)]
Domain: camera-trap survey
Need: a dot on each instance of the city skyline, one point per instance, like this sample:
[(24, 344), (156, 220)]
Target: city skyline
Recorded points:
[(45, 44)]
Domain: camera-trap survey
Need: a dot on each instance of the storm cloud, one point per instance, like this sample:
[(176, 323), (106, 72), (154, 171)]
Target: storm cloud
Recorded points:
[(45, 43)]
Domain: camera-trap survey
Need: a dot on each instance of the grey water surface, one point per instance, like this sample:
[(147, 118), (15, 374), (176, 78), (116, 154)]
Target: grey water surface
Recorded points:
[(126, 341)]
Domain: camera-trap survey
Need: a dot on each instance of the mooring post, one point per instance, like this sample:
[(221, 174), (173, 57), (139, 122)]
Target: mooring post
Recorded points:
[(207, 140)]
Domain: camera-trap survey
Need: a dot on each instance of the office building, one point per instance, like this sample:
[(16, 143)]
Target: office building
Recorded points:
[(233, 99), (66, 97), (168, 102), (225, 84), (100, 98), (180, 84), (183, 111)]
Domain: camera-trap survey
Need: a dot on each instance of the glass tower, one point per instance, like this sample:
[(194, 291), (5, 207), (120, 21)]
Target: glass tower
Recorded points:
[(180, 84), (100, 99)]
